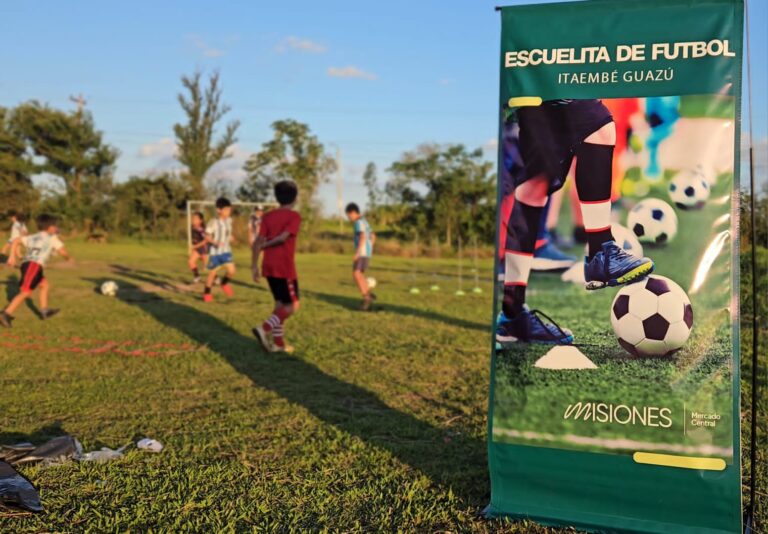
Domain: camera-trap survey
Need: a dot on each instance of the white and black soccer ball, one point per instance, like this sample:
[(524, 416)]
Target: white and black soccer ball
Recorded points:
[(109, 288), (689, 190), (652, 317), (653, 221), (371, 282)]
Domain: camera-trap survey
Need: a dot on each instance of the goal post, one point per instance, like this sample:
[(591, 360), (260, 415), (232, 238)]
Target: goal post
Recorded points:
[(197, 205)]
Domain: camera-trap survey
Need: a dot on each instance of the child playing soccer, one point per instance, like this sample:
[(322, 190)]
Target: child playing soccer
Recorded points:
[(364, 239), (39, 248), (551, 135), (277, 238), (18, 229), (254, 224), (199, 251), (219, 235)]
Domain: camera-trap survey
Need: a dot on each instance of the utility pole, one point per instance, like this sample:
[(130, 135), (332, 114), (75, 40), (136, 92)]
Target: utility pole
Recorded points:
[(340, 189), (80, 101)]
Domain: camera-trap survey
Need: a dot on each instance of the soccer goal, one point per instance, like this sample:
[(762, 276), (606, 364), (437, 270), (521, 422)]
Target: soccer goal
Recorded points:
[(239, 209)]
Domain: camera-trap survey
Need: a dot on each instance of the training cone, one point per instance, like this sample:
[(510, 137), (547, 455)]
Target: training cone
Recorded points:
[(477, 290), (415, 291), (459, 293), (435, 288)]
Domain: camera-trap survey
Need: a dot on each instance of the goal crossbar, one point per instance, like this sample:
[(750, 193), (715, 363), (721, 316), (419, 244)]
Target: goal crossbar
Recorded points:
[(192, 204)]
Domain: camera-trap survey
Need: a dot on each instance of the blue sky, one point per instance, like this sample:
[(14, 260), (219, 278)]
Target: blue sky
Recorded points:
[(374, 79)]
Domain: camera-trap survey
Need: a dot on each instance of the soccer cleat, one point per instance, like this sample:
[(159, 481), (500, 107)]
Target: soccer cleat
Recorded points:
[(6, 319), (207, 297), (227, 289), (367, 301), (613, 266), (550, 258), (48, 313), (528, 327), (263, 338), (285, 348)]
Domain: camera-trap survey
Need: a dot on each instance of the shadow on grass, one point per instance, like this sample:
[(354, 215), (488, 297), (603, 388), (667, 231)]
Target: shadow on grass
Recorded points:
[(352, 303), (38, 437), (449, 459), (163, 280), (12, 289)]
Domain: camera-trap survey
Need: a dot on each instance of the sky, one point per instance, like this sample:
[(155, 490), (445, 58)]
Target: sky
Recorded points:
[(371, 79)]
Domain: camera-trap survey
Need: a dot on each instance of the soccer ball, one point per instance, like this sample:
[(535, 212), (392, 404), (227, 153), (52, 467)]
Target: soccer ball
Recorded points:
[(371, 282), (689, 189), (653, 317), (109, 288), (653, 221)]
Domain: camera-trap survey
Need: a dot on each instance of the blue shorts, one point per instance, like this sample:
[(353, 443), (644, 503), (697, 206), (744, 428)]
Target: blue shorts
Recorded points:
[(218, 260)]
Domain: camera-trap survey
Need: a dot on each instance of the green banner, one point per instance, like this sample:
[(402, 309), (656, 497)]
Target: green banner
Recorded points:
[(614, 402)]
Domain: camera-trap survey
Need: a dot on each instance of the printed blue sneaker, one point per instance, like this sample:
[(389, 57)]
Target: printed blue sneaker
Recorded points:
[(528, 327), (550, 258), (613, 266)]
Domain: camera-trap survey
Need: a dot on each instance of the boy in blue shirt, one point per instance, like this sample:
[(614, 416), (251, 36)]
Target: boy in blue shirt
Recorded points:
[(364, 240)]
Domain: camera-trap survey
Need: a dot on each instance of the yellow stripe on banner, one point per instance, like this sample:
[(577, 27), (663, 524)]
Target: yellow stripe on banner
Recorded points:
[(686, 462), (522, 101)]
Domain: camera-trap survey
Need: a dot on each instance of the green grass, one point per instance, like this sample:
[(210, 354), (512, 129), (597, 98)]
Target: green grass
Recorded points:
[(376, 423)]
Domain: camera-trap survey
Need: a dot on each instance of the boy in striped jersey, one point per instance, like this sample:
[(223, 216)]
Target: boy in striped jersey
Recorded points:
[(219, 235), (551, 135), (18, 229), (39, 248)]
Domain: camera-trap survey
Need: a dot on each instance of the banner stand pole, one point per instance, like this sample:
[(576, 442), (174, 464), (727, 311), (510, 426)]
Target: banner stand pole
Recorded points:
[(749, 521)]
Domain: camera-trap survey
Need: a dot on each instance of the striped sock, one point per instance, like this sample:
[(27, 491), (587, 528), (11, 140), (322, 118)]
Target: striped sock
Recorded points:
[(271, 323), (277, 335)]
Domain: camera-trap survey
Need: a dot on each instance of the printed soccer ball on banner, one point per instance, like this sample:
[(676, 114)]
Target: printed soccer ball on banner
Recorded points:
[(689, 190), (371, 282), (653, 221), (109, 288), (653, 317)]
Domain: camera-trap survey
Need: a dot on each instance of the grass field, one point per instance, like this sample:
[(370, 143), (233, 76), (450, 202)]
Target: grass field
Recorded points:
[(376, 423)]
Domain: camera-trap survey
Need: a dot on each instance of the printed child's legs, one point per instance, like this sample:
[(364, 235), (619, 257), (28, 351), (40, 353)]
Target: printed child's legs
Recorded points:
[(594, 164), (530, 199)]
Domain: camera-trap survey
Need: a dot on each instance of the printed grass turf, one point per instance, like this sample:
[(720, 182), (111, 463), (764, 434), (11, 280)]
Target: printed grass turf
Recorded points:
[(534, 400)]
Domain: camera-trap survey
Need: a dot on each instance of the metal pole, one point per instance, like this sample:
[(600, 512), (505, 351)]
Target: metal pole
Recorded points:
[(189, 227)]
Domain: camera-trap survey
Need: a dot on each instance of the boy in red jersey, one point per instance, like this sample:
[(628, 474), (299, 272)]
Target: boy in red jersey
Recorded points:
[(277, 237)]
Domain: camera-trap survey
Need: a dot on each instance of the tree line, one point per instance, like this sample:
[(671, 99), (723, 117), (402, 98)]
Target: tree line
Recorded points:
[(58, 161)]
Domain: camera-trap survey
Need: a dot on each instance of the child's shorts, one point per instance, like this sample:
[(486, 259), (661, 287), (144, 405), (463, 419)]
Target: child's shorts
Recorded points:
[(218, 260), (284, 290), (31, 276)]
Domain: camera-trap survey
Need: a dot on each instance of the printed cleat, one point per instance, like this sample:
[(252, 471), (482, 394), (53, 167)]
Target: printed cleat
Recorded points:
[(207, 297), (550, 258), (6, 319), (50, 312), (613, 266), (227, 289), (528, 327), (263, 338)]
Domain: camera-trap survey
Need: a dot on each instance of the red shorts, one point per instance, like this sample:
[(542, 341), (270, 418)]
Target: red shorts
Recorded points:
[(31, 276)]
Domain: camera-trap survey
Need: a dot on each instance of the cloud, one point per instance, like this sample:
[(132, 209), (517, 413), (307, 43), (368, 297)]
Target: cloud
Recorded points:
[(205, 49), (164, 148), (445, 81), (350, 71), (491, 145), (230, 169), (300, 44)]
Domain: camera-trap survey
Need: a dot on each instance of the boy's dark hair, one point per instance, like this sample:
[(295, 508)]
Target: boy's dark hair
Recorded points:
[(222, 202), (199, 214), (19, 216), (45, 221), (286, 192), (352, 208)]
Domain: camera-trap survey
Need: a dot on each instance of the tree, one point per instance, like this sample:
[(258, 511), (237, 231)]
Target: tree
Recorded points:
[(69, 147), (147, 205), (17, 193), (295, 154), (371, 185), (198, 151), (444, 189)]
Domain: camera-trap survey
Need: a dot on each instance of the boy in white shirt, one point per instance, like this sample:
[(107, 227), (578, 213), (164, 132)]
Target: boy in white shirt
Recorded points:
[(18, 229), (39, 248), (219, 235)]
